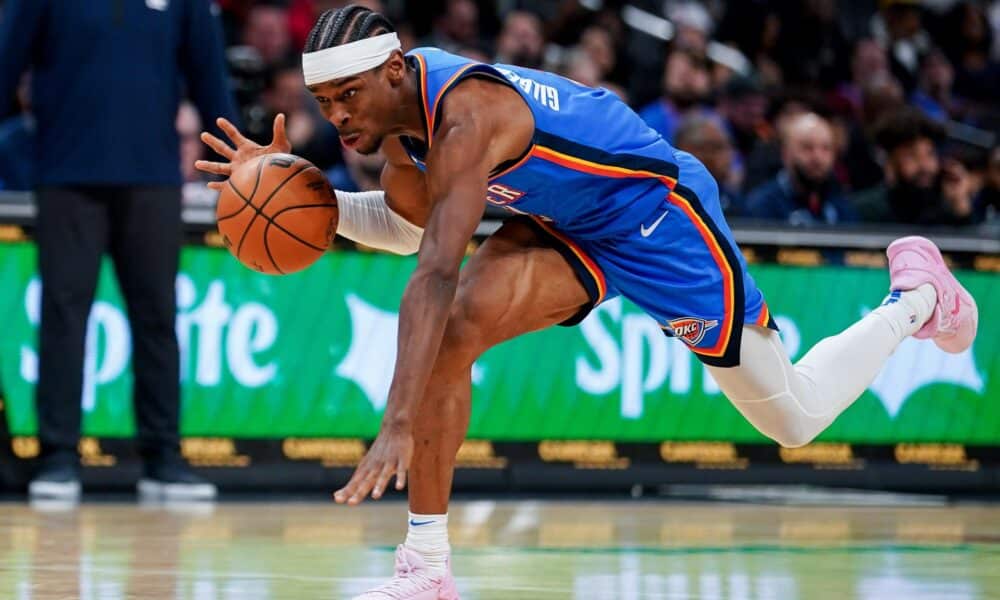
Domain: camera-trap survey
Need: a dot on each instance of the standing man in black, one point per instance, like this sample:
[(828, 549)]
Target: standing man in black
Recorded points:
[(108, 76)]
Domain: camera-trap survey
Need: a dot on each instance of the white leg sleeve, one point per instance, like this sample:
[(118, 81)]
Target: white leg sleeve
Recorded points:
[(793, 404)]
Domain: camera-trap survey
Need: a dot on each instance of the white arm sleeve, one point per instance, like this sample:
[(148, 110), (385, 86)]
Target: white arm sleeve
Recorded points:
[(366, 218)]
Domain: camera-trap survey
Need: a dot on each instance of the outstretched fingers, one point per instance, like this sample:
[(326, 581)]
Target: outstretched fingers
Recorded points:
[(215, 168), (220, 147), (280, 139), (232, 133)]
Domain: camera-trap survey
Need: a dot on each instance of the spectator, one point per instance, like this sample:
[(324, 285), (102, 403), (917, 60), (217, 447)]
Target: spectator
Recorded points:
[(692, 26), (310, 135), (754, 27), (987, 204), (707, 139), (869, 63), (967, 39), (17, 143), (901, 30), (106, 96), (521, 41), (742, 105), (686, 86), (456, 27), (811, 46), (358, 173), (879, 97), (597, 43), (919, 188), (934, 94), (805, 191), (475, 54), (302, 15), (266, 30), (580, 67), (765, 160)]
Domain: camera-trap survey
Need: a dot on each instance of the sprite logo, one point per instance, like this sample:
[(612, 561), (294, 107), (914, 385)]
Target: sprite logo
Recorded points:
[(212, 333)]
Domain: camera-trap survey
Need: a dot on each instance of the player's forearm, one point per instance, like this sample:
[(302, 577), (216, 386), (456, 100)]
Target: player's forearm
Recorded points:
[(422, 320)]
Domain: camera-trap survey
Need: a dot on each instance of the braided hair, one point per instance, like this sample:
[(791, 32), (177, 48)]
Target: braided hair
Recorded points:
[(346, 25)]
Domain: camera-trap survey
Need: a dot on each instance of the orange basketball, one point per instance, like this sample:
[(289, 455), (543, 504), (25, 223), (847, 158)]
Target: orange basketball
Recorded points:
[(277, 214)]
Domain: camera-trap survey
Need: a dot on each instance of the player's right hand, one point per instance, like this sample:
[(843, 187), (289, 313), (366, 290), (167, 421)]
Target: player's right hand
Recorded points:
[(244, 151)]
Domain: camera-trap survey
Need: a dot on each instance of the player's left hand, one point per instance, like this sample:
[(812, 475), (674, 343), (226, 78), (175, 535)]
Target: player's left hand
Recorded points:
[(244, 151), (389, 455)]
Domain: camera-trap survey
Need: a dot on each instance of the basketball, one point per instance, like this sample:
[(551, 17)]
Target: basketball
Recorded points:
[(277, 214)]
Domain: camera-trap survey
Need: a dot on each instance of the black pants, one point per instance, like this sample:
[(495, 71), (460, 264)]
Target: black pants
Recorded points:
[(141, 229)]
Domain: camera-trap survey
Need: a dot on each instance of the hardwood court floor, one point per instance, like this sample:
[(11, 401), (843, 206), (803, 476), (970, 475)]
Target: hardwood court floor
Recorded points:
[(523, 550)]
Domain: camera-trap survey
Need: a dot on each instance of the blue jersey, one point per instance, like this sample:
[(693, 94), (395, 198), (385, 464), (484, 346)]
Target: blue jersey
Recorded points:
[(593, 164), (600, 182)]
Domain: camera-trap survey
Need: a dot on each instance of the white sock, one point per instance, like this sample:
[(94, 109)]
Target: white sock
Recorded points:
[(427, 535), (907, 311)]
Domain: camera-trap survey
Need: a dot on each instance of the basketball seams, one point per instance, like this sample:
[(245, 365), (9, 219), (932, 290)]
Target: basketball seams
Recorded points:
[(271, 221), (279, 225), (267, 249), (259, 211), (246, 202)]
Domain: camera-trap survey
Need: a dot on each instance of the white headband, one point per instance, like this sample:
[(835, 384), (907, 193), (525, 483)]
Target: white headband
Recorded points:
[(348, 59)]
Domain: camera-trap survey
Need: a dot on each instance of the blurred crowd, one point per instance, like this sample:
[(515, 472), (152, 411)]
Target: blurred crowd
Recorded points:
[(806, 111)]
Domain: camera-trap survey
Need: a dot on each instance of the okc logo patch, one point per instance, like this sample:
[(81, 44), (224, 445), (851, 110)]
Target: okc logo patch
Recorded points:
[(691, 329)]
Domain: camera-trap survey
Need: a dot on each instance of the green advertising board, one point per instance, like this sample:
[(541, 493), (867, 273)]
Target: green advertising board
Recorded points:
[(311, 354)]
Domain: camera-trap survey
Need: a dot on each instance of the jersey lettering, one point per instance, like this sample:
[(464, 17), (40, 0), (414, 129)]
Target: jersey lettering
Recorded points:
[(502, 195), (546, 95)]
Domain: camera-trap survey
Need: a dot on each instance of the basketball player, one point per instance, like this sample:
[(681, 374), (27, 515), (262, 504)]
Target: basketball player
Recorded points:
[(604, 207)]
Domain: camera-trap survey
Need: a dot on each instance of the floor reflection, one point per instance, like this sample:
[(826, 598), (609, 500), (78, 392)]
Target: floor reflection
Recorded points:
[(525, 550)]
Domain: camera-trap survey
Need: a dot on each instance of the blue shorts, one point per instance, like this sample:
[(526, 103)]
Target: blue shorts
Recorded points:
[(680, 265)]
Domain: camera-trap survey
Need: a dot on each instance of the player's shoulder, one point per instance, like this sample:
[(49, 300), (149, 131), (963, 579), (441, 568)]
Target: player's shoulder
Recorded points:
[(435, 59)]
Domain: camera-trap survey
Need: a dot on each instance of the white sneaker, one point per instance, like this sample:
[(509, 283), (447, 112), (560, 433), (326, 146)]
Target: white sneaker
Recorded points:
[(55, 482), (174, 480)]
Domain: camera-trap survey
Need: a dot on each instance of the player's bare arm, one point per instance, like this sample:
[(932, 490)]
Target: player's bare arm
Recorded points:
[(471, 140), (404, 184)]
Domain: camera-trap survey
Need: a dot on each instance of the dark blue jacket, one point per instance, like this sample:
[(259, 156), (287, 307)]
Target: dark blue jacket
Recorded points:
[(778, 200), (17, 145), (107, 77)]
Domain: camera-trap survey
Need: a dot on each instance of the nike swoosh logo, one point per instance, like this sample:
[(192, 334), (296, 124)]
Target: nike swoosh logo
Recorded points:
[(419, 523), (646, 232)]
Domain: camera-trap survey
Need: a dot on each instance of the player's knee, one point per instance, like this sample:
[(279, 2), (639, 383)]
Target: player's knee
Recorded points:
[(793, 438), (464, 335), (789, 429)]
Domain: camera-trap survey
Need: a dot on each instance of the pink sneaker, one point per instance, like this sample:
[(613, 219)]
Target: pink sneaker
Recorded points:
[(413, 582), (914, 261)]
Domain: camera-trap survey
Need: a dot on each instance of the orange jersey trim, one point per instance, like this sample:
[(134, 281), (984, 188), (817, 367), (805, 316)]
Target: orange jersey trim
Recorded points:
[(765, 316), (423, 96), (714, 248), (728, 300), (524, 159), (437, 100), (586, 166)]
